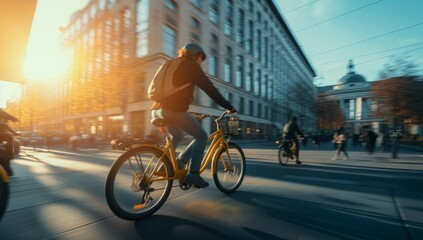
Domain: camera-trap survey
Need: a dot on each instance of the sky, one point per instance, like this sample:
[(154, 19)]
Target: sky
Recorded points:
[(330, 33), (370, 32)]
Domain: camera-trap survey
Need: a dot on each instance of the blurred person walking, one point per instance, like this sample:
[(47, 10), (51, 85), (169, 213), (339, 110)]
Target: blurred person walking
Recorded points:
[(340, 138)]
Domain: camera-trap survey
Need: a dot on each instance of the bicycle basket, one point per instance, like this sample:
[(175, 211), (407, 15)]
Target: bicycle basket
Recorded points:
[(229, 125)]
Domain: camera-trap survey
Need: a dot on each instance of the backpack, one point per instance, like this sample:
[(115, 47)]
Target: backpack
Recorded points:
[(162, 86)]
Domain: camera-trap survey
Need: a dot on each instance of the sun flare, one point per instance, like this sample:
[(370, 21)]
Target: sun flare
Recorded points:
[(46, 65)]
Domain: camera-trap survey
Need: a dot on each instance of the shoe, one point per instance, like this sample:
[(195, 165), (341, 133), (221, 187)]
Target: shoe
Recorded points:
[(182, 164), (195, 179), (298, 162)]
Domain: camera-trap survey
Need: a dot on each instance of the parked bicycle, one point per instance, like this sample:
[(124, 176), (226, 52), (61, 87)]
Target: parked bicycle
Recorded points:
[(287, 150), (141, 179)]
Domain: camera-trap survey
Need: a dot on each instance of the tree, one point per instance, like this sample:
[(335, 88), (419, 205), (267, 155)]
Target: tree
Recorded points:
[(328, 112), (399, 97), (399, 66)]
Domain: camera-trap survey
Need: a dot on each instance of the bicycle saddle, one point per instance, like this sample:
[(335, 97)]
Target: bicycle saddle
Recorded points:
[(158, 122)]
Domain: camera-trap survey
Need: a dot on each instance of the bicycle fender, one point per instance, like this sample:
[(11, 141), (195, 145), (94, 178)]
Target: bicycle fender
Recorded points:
[(3, 175), (138, 145)]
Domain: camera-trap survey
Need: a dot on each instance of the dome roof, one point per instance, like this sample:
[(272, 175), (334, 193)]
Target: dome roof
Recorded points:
[(351, 77)]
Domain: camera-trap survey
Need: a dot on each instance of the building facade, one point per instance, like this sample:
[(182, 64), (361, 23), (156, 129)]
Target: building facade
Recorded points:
[(354, 95), (117, 46)]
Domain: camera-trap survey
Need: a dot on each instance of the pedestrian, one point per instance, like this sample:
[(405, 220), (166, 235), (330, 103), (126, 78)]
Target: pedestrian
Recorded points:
[(371, 140), (316, 140), (380, 141), (341, 141), (174, 108), (291, 131)]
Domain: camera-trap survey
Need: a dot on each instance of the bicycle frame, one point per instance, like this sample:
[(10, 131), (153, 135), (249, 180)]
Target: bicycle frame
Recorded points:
[(218, 142)]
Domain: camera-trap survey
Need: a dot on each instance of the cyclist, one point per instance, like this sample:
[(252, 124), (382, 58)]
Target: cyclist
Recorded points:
[(174, 109), (290, 132)]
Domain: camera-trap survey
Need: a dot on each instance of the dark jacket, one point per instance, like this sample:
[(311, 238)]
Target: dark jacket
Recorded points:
[(291, 130), (190, 71)]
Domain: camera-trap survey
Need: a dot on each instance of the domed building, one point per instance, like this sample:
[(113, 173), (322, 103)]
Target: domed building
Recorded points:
[(351, 79), (354, 95)]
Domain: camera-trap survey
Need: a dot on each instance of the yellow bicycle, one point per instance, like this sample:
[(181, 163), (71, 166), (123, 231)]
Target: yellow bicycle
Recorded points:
[(4, 184), (141, 179)]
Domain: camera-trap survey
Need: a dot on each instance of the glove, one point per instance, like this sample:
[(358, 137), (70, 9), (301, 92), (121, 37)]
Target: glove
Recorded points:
[(233, 110)]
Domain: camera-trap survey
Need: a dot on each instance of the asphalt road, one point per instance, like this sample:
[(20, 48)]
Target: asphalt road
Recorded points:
[(60, 195)]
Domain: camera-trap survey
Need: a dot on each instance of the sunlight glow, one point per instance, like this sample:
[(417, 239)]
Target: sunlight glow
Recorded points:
[(46, 65)]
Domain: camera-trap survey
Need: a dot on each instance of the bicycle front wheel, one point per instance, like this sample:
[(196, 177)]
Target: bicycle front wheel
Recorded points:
[(283, 156), (4, 196), (139, 183), (230, 168)]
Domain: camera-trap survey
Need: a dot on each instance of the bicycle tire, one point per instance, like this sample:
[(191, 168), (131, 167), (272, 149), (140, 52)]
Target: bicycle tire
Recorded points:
[(128, 194), (283, 156), (4, 197), (223, 175)]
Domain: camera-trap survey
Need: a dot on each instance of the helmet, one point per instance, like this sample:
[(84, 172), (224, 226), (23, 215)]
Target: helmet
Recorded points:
[(195, 50)]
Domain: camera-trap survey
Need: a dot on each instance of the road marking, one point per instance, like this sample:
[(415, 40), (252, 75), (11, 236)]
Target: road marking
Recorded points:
[(319, 179)]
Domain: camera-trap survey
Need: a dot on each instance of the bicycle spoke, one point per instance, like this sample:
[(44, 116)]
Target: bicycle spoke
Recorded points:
[(230, 169), (148, 175)]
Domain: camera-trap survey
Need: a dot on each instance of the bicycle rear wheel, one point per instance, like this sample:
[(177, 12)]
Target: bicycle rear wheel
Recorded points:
[(283, 156), (230, 168), (138, 183)]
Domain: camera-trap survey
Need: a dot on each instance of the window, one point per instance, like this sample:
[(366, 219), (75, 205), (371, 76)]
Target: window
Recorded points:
[(270, 90), (171, 4), (169, 41), (239, 74), (241, 105), (140, 86), (257, 83), (196, 30), (249, 78), (250, 7), (264, 87), (212, 59), (142, 28), (197, 3), (101, 4), (257, 47), (195, 23), (265, 55), (227, 71), (250, 36), (228, 96), (240, 27), (214, 11), (259, 110), (228, 19), (266, 112)]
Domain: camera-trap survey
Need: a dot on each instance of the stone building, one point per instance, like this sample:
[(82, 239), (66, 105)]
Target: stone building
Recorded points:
[(354, 94), (117, 46)]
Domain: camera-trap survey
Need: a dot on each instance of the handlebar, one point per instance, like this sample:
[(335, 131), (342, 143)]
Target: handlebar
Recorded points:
[(202, 116)]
